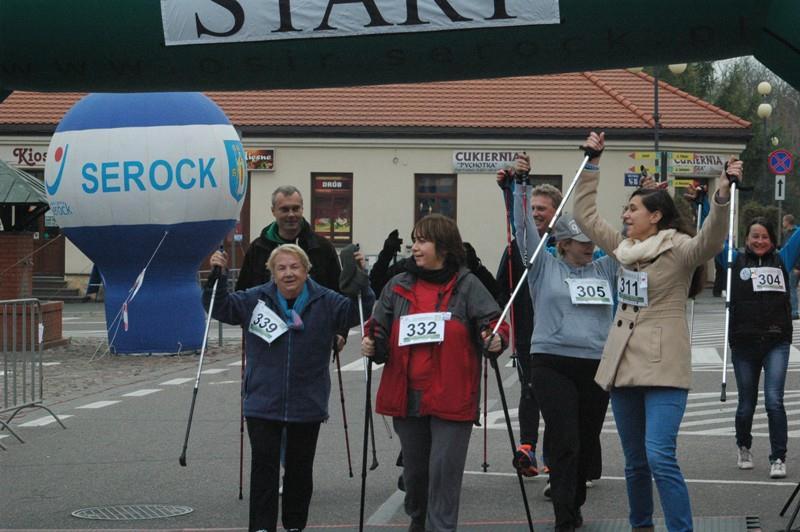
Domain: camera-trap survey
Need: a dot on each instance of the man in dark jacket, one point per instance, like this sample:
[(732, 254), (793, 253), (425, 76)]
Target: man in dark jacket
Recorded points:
[(289, 227)]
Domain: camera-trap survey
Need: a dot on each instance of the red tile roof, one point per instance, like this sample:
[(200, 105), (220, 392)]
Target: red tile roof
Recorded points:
[(608, 99)]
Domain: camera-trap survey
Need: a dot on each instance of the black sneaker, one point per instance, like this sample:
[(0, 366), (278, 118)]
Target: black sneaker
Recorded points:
[(578, 518)]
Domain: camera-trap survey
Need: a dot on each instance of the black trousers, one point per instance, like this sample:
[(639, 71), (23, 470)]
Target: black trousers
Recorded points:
[(528, 412), (573, 407), (298, 483)]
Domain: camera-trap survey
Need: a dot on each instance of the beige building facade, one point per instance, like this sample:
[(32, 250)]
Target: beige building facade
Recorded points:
[(387, 179)]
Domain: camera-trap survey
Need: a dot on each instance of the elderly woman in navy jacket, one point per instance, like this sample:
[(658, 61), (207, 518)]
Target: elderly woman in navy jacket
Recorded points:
[(291, 322)]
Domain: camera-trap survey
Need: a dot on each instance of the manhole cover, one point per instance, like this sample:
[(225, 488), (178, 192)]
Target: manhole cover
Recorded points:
[(131, 512)]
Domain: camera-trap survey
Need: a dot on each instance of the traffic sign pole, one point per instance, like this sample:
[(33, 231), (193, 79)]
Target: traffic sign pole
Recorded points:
[(780, 163)]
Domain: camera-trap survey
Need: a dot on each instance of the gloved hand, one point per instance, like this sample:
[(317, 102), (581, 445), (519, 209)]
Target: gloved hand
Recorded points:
[(393, 243), (353, 278)]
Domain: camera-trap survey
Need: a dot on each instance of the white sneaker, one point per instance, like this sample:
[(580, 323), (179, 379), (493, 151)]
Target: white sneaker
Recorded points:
[(745, 460), (777, 469)]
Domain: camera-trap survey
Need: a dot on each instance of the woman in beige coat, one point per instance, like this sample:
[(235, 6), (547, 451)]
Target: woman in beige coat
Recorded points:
[(646, 362)]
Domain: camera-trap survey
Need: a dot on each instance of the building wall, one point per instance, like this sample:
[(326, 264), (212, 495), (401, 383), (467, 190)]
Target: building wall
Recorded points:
[(383, 181)]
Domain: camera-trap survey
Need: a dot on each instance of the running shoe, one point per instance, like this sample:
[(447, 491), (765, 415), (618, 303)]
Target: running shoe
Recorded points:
[(777, 469), (745, 459), (525, 461)]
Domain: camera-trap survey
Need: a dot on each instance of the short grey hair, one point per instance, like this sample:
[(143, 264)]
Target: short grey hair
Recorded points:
[(285, 190), (288, 249), (548, 190)]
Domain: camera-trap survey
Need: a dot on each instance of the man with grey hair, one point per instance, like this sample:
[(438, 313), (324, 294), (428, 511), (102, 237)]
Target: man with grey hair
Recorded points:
[(289, 227)]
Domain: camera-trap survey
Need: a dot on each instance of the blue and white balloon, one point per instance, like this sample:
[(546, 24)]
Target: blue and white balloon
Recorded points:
[(123, 171)]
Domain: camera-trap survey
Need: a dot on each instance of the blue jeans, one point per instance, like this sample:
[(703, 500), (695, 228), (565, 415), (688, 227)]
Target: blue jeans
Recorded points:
[(747, 364), (793, 291), (647, 420)]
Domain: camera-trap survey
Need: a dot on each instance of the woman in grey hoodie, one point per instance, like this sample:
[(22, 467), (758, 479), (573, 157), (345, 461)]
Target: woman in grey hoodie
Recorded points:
[(573, 297)]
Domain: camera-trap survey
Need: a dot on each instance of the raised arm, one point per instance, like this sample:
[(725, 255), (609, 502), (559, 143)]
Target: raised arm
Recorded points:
[(231, 308), (599, 230), (709, 241)]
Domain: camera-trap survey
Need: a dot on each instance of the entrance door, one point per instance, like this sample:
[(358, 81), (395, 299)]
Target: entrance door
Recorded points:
[(48, 241), (48, 247)]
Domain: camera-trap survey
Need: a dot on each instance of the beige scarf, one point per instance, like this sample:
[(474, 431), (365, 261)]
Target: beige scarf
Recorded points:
[(631, 251)]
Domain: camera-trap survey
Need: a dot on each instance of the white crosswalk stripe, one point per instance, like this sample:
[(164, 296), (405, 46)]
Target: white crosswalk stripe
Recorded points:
[(704, 416), (708, 338)]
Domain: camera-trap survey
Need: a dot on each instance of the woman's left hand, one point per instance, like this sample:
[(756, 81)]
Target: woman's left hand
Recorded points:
[(493, 345)]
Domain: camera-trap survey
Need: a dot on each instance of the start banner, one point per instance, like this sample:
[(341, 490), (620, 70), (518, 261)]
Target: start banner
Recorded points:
[(216, 21)]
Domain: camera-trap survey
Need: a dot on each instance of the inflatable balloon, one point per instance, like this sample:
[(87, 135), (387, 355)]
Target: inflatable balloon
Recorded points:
[(124, 45), (147, 185)]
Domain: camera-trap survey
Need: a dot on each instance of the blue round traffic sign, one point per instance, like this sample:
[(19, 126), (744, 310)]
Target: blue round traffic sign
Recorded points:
[(780, 162)]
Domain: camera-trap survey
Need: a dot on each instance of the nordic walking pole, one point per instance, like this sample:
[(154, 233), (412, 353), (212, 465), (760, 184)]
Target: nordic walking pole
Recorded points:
[(722, 396), (241, 420), (368, 375), (545, 237), (344, 411), (691, 302), (493, 361), (485, 464), (182, 459), (367, 412), (367, 425), (523, 380)]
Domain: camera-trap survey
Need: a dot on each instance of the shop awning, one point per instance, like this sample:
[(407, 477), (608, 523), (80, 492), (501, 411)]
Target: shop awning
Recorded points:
[(18, 187)]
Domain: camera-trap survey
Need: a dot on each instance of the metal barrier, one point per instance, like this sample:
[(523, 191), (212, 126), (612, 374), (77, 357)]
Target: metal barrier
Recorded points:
[(21, 338)]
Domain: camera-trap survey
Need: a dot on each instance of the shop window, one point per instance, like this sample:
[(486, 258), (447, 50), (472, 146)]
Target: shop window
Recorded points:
[(434, 193), (332, 206), (541, 179)]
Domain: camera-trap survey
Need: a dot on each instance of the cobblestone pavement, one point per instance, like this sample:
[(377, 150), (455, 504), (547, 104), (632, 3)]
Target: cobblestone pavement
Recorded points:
[(81, 368)]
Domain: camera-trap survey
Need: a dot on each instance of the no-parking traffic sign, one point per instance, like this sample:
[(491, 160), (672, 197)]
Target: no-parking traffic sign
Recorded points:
[(780, 162)]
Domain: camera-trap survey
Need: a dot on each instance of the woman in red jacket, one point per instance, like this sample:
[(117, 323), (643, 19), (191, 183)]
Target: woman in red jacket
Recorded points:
[(429, 328)]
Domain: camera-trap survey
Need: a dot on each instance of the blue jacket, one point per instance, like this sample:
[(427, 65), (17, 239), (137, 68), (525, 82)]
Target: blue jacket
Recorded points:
[(289, 380)]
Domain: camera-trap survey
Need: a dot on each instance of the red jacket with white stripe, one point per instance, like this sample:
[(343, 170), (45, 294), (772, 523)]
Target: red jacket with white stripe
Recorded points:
[(453, 390)]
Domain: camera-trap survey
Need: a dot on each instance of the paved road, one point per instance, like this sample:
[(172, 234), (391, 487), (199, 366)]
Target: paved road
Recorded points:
[(123, 440)]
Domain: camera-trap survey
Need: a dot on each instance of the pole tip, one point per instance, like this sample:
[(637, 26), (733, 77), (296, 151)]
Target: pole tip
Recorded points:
[(722, 396)]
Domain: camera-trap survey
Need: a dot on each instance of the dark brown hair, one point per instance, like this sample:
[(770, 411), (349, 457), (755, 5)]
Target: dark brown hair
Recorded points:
[(766, 224), (443, 232), (660, 200)]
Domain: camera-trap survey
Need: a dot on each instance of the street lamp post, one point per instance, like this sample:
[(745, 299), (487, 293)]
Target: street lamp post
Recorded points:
[(764, 111), (676, 69)]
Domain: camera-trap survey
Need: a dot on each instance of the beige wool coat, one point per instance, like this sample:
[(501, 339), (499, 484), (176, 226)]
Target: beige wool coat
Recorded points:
[(649, 346)]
